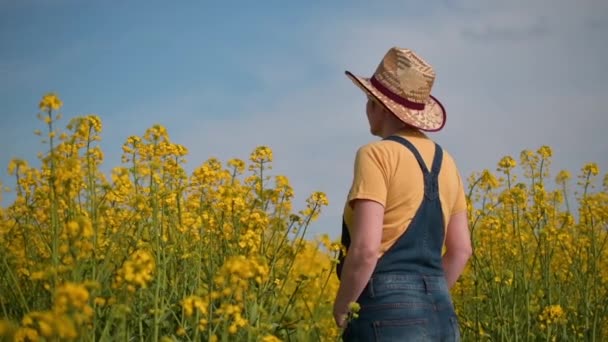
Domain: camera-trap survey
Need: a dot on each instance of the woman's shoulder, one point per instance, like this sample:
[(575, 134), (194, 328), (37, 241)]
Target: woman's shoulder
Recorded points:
[(388, 148), (379, 147), (449, 166)]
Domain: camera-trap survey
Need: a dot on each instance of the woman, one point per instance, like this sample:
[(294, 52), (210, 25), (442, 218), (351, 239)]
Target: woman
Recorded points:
[(405, 204)]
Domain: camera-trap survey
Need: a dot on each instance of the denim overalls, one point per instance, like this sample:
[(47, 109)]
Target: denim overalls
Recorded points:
[(407, 297)]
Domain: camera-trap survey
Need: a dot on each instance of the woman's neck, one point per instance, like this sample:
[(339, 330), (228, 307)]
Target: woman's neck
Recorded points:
[(400, 129)]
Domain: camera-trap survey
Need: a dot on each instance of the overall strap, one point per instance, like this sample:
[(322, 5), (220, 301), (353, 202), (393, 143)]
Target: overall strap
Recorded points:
[(431, 181), (437, 160), (413, 149)]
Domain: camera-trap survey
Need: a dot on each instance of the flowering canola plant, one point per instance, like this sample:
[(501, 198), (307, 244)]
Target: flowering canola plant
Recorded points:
[(149, 252), (539, 270), (152, 253)]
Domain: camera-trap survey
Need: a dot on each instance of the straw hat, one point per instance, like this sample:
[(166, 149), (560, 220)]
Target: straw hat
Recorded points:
[(402, 83)]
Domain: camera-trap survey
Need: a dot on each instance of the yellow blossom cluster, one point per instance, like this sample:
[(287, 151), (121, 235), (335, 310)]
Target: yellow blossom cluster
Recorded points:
[(71, 311), (137, 271), (50, 101), (552, 314), (262, 154)]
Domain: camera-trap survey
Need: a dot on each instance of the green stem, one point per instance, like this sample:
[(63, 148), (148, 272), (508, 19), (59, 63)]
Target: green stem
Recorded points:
[(53, 200), (17, 286), (158, 252)]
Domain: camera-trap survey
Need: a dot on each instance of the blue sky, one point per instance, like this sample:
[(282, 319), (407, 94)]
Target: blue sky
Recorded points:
[(224, 78)]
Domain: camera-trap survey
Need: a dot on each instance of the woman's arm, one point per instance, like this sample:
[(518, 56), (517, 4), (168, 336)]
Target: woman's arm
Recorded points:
[(458, 247), (362, 255)]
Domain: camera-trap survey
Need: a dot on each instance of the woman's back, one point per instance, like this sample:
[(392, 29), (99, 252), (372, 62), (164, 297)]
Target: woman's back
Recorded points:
[(388, 173)]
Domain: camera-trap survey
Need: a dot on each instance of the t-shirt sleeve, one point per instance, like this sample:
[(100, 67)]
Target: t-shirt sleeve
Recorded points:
[(370, 177), (460, 204)]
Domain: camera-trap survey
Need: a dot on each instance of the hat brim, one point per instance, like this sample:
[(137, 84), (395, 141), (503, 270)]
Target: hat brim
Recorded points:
[(430, 119)]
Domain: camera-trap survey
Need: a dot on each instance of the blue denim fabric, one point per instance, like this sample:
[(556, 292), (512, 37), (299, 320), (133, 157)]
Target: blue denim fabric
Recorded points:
[(404, 307)]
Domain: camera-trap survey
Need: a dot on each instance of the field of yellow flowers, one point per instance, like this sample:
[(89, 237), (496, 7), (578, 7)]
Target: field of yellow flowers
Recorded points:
[(150, 253), (539, 271)]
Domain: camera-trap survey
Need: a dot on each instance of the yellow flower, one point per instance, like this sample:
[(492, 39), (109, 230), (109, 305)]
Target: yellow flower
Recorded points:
[(7, 328), (71, 296), (73, 228), (507, 163), (270, 338), (591, 168), (202, 324), (26, 335), (137, 271), (15, 165), (155, 133), (545, 152), (100, 301), (237, 164), (319, 198), (261, 154), (194, 304), (488, 180), (45, 329), (50, 101), (281, 181), (553, 314), (562, 177)]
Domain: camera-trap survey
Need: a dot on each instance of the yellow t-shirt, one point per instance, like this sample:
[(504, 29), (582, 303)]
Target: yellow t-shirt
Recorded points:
[(388, 173)]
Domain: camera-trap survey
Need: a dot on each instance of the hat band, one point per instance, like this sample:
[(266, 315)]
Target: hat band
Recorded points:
[(391, 95)]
